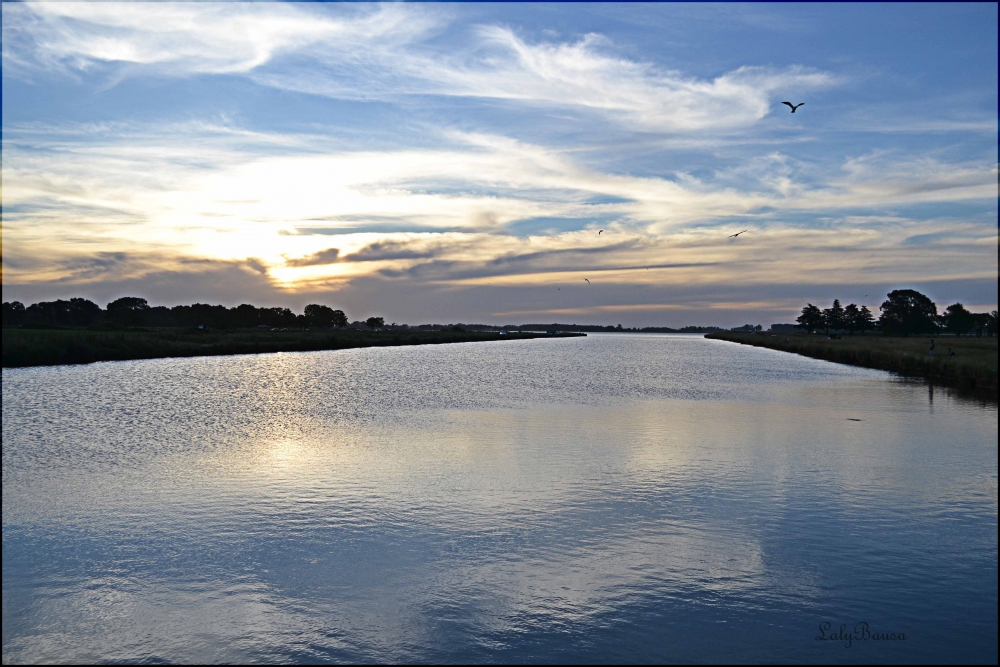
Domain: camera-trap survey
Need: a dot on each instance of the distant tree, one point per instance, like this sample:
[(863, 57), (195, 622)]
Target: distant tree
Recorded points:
[(160, 316), (375, 322), (128, 310), (957, 320), (811, 318), (907, 312), (851, 318), (75, 312), (865, 321), (245, 315), (991, 323), (276, 317), (980, 321), (83, 312), (324, 316), (204, 314), (833, 317), (13, 313), (182, 316), (319, 316)]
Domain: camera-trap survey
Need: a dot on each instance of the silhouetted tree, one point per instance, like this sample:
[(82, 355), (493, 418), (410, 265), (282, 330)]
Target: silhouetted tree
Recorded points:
[(203, 314), (317, 315), (277, 317), (957, 320), (907, 312), (851, 317), (324, 316), (245, 315), (128, 310), (833, 317), (979, 323), (991, 323), (13, 313), (75, 312), (160, 316), (810, 319), (375, 322), (865, 321), (83, 312)]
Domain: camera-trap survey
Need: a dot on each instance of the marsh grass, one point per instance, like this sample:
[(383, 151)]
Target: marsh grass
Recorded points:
[(974, 366), (49, 347)]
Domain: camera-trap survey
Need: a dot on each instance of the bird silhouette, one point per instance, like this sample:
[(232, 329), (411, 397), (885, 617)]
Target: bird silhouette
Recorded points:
[(735, 235), (588, 281), (794, 106), (600, 232)]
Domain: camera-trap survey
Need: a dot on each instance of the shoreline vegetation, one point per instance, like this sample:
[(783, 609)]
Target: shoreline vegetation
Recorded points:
[(26, 347), (973, 369)]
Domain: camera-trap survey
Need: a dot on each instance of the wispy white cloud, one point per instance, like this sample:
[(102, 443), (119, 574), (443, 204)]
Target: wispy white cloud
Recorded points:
[(584, 75), (182, 39), (383, 51)]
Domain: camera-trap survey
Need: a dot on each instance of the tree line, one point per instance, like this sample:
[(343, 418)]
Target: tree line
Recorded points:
[(131, 311), (903, 313)]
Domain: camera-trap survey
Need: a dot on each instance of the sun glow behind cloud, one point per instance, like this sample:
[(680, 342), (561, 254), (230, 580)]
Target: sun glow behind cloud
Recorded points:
[(437, 203)]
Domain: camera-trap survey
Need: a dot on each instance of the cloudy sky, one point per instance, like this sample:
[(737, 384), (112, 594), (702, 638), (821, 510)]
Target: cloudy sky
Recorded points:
[(455, 162)]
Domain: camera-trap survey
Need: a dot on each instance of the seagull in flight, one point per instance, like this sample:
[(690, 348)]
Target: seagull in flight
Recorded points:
[(588, 281), (731, 236), (600, 232), (794, 106)]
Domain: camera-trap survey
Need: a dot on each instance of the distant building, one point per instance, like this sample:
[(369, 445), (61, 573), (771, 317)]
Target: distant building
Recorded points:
[(783, 328)]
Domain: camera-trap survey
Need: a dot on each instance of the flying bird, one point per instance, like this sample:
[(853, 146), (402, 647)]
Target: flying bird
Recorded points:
[(794, 106), (588, 281), (600, 232), (736, 234)]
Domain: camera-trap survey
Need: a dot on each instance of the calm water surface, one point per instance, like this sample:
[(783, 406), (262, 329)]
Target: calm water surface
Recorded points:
[(611, 498)]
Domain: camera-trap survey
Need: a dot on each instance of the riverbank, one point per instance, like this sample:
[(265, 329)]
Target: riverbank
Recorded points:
[(973, 368), (50, 347)]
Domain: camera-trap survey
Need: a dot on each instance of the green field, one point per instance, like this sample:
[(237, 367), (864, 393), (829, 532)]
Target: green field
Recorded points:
[(974, 366), (49, 347)]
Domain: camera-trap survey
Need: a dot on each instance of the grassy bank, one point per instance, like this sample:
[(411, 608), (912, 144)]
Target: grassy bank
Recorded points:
[(973, 368), (33, 347)]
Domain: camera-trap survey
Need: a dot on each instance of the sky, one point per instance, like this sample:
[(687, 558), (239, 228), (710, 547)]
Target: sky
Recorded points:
[(452, 162)]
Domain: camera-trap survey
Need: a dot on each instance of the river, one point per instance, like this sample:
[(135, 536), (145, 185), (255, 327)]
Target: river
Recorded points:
[(612, 498)]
